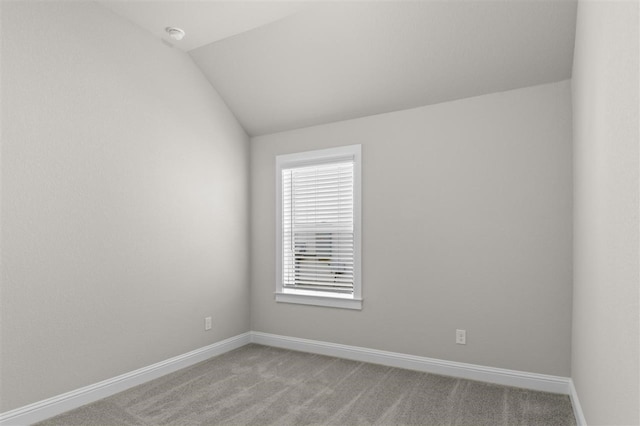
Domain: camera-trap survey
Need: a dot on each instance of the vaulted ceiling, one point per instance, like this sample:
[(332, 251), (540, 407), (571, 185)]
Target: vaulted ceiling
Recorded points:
[(286, 65)]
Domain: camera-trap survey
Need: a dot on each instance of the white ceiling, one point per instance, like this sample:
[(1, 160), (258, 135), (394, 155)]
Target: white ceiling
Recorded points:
[(296, 64), (203, 21)]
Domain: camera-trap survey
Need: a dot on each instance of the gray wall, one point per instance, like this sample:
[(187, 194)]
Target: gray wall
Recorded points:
[(124, 202), (467, 223), (606, 317)]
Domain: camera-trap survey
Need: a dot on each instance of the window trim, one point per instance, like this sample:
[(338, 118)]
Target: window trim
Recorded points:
[(310, 297)]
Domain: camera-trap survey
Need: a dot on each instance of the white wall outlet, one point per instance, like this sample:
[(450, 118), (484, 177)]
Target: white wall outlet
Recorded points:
[(207, 323), (461, 337)]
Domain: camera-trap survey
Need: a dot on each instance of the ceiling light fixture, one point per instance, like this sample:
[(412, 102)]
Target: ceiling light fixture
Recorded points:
[(175, 33)]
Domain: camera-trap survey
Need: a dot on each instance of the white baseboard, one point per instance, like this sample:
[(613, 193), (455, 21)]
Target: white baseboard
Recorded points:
[(534, 381), (575, 403), (50, 407)]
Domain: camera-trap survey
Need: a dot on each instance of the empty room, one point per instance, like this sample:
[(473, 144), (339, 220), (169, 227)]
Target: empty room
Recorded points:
[(320, 212)]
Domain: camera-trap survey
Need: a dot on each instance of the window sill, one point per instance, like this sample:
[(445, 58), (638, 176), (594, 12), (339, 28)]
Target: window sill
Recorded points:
[(319, 299)]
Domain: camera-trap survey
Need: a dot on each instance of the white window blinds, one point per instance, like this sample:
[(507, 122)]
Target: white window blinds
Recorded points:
[(318, 227)]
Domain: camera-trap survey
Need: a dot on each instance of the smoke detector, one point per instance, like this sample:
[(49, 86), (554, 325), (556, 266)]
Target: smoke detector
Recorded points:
[(175, 33)]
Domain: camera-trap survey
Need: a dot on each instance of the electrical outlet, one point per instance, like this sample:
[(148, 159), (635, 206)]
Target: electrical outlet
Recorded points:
[(207, 323), (461, 337)]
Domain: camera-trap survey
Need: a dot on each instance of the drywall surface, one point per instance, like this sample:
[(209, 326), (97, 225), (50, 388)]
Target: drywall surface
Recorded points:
[(352, 59), (467, 223), (606, 317), (124, 202)]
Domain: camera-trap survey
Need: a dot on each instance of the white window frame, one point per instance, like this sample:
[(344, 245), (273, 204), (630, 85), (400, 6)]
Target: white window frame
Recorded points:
[(312, 297)]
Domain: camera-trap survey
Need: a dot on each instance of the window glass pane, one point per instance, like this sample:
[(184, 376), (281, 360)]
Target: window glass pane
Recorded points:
[(317, 229)]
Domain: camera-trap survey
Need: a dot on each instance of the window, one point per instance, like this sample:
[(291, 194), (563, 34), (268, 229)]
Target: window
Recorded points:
[(318, 228)]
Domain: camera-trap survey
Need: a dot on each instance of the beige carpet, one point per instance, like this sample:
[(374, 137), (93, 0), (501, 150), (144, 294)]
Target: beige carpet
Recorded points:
[(263, 385)]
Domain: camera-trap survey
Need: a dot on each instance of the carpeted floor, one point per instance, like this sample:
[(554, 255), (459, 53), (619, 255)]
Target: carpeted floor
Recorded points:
[(263, 385)]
